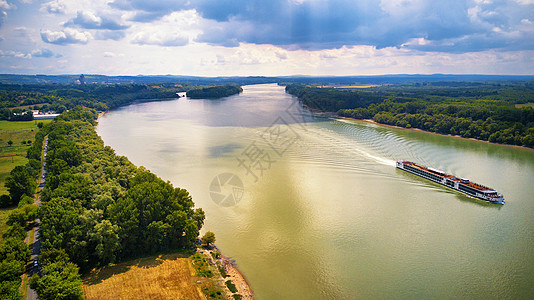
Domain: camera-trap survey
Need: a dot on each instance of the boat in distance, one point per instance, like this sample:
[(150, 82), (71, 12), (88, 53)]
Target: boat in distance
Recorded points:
[(460, 184)]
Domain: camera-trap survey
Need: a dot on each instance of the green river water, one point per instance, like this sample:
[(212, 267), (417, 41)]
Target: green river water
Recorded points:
[(314, 208)]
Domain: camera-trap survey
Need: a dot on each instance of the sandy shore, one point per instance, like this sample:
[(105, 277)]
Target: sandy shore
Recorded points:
[(241, 283), (232, 272)]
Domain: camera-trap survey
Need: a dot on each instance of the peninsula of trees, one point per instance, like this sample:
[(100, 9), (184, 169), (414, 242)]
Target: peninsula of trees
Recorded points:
[(499, 112), (214, 92)]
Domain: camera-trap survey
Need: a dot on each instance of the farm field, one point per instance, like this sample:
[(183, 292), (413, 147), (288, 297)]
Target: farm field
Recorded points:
[(168, 276)]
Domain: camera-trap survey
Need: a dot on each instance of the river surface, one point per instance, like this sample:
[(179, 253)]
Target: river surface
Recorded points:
[(314, 208)]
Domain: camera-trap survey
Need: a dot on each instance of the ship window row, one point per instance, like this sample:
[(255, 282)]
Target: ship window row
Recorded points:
[(423, 173), (467, 189)]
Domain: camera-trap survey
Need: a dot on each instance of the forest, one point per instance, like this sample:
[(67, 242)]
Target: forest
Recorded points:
[(19, 98), (499, 112), (96, 208), (214, 92), (16, 100)]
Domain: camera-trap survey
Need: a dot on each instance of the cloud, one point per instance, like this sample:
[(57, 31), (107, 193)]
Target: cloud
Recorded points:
[(160, 39), (42, 53), (53, 7), (67, 36), (88, 20), (150, 10), (332, 24), (110, 35), (14, 54), (4, 7), (35, 53), (173, 30)]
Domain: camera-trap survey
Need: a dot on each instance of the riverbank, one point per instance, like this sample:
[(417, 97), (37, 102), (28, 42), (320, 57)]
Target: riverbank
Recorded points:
[(240, 281), (229, 271), (371, 121)]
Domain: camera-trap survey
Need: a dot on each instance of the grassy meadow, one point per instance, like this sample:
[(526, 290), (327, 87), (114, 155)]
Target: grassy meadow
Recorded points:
[(15, 154)]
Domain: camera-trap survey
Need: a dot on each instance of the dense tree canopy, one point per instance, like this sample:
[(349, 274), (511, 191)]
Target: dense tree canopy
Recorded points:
[(100, 208), (482, 111)]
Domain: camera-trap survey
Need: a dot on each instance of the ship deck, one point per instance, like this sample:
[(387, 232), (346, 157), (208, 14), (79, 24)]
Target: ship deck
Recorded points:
[(448, 176)]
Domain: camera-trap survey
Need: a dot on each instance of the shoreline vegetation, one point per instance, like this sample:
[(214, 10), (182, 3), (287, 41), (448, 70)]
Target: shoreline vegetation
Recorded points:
[(371, 121), (480, 111)]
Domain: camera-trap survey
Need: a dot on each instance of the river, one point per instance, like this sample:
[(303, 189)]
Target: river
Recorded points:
[(314, 208)]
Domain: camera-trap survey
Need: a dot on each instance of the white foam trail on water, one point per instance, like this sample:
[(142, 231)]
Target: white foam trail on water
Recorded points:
[(333, 137), (381, 160), (353, 122)]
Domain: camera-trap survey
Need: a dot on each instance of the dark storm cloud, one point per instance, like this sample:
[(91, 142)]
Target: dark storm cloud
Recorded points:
[(448, 26)]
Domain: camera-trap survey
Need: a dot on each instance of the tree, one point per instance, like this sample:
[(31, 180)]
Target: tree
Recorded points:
[(107, 241), (60, 280), (10, 290), (209, 237), (19, 183), (53, 255), (10, 142), (14, 249), (11, 270), (5, 201)]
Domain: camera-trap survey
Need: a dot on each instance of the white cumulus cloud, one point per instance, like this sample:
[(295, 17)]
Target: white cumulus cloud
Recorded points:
[(67, 36), (53, 7), (160, 38)]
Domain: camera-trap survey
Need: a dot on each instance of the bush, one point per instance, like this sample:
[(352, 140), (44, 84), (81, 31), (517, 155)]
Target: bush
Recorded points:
[(231, 286), (222, 270), (209, 237), (5, 201), (25, 200), (33, 281), (201, 266)]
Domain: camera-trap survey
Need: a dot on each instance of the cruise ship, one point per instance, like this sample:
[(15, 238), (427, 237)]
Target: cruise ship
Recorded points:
[(460, 184)]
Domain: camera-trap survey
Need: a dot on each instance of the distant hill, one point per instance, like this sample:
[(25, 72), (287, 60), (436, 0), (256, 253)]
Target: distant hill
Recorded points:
[(334, 80), (103, 79)]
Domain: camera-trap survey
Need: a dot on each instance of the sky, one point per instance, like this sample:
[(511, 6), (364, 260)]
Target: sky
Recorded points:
[(267, 37)]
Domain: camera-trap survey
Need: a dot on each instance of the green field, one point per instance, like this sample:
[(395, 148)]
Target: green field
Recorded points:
[(17, 132), (15, 155)]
